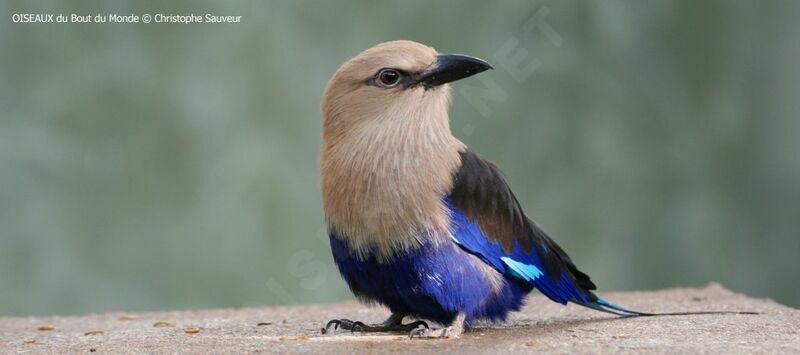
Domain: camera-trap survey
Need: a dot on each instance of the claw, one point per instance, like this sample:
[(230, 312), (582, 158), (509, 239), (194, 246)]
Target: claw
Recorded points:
[(445, 333), (357, 325), (391, 325), (417, 324), (344, 324), (421, 332)]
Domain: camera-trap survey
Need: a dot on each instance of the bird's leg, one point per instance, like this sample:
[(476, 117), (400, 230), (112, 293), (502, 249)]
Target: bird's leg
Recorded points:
[(453, 330), (393, 324)]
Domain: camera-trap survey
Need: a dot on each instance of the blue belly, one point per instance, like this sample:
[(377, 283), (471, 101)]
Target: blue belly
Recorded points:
[(434, 282)]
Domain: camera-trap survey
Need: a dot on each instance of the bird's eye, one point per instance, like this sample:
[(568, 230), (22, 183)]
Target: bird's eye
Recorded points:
[(388, 77)]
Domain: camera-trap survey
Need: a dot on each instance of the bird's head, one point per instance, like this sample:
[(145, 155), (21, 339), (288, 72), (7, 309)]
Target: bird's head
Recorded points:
[(388, 154), (397, 80)]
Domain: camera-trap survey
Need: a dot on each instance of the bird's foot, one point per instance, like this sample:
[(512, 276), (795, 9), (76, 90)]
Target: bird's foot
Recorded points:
[(419, 332), (345, 324), (454, 330), (354, 326), (447, 332)]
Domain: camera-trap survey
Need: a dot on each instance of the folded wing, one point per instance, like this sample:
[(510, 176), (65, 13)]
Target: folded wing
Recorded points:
[(489, 223)]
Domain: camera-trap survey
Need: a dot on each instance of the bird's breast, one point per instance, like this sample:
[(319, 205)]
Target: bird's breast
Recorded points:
[(383, 196)]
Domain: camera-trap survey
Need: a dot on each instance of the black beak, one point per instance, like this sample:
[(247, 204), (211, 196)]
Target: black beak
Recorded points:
[(451, 67)]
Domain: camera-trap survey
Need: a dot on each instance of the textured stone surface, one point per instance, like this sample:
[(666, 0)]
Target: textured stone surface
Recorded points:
[(543, 326)]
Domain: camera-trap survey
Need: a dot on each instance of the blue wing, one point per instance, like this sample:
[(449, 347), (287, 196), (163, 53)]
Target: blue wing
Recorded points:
[(526, 267), (488, 221)]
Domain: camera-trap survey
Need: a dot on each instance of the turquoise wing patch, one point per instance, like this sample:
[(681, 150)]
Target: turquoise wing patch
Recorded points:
[(522, 270)]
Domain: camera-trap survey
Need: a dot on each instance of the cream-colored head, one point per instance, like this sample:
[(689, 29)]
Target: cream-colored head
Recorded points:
[(359, 95), (388, 155)]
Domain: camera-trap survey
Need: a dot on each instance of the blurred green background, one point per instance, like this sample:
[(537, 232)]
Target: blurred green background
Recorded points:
[(170, 166)]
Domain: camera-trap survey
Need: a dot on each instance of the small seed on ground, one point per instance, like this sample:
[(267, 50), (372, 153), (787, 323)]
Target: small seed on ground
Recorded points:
[(125, 317), (46, 328), (94, 332), (191, 330), (30, 341), (163, 323)]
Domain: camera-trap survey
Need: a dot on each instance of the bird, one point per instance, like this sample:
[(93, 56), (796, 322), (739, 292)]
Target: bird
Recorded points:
[(417, 221)]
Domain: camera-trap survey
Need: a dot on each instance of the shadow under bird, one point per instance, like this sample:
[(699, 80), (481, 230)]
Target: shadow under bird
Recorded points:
[(418, 222)]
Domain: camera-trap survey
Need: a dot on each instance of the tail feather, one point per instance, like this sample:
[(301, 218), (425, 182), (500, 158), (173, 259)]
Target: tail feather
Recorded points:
[(598, 307), (602, 305), (606, 304)]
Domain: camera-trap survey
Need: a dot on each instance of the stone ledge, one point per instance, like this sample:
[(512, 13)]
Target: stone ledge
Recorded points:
[(542, 326)]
